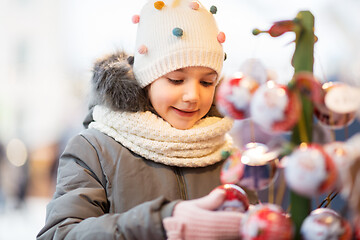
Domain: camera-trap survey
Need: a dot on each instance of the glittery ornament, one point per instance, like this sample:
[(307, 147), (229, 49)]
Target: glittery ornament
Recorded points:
[(236, 199), (324, 224), (275, 108), (260, 166), (233, 96), (309, 170), (331, 119), (266, 222), (342, 98)]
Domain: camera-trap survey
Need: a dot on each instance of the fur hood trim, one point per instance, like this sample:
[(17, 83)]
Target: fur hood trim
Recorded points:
[(114, 84)]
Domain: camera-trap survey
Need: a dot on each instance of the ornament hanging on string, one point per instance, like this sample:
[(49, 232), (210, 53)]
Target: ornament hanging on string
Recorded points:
[(266, 221), (325, 223), (275, 108), (309, 170), (334, 99), (236, 199), (233, 96), (255, 167)]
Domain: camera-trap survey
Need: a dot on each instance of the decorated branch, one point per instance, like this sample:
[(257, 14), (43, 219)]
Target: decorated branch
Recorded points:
[(310, 169)]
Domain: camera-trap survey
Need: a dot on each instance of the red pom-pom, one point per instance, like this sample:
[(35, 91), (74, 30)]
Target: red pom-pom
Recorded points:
[(221, 37), (142, 49), (194, 5), (135, 19)]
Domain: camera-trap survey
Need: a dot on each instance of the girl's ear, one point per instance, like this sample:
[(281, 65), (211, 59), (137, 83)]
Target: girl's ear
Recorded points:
[(114, 84)]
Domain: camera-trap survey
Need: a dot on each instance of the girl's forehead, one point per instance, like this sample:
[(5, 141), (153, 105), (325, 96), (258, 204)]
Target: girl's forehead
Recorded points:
[(197, 69)]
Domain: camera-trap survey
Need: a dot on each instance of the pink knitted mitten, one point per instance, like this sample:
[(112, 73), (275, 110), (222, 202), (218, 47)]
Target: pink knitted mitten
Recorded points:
[(196, 219)]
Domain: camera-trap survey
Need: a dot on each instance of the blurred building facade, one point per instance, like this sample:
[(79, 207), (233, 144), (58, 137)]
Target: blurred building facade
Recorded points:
[(39, 97)]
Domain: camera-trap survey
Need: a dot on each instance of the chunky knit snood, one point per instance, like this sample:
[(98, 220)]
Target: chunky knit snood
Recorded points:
[(155, 139)]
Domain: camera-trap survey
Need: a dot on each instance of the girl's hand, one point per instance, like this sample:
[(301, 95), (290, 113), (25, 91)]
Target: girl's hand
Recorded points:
[(197, 219)]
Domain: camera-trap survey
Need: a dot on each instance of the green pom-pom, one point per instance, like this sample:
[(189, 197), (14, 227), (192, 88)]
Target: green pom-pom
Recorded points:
[(213, 9), (225, 154), (178, 32)]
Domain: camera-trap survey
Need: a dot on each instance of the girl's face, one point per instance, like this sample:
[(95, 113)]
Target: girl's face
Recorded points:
[(184, 96)]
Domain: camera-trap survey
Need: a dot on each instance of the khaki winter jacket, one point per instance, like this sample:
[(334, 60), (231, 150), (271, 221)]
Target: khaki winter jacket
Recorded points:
[(104, 191)]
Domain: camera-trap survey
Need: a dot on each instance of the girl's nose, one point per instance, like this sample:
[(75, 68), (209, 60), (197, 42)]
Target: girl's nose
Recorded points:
[(191, 92)]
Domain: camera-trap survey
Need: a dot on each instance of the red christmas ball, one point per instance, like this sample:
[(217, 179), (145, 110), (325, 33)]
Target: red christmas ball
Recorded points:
[(236, 199), (233, 96), (266, 222)]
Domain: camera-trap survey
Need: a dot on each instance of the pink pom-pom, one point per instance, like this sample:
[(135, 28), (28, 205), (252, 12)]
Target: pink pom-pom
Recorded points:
[(194, 5), (221, 37), (135, 19), (142, 49)]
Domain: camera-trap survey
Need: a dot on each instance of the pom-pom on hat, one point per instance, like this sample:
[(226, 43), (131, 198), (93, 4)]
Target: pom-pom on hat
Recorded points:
[(174, 34)]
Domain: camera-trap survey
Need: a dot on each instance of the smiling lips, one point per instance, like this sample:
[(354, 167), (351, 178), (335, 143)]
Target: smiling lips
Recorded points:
[(185, 113)]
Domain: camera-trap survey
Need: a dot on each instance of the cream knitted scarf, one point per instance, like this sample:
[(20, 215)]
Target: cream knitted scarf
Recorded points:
[(153, 138)]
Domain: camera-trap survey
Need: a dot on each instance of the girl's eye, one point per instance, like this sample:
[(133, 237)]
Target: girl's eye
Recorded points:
[(176, 81), (207, 83)]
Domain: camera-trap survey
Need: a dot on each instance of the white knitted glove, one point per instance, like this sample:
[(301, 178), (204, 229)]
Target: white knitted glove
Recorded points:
[(197, 219)]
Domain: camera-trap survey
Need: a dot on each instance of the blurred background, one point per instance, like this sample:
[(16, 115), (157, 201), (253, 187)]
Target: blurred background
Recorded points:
[(47, 49)]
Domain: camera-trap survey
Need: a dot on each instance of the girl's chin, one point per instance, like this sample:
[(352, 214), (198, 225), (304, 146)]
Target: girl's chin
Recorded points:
[(182, 124)]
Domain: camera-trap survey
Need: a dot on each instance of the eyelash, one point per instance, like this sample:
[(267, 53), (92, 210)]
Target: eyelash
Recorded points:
[(176, 81), (206, 84), (180, 81)]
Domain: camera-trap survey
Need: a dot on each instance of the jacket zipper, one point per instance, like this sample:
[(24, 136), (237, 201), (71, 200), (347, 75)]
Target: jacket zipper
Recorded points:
[(181, 183)]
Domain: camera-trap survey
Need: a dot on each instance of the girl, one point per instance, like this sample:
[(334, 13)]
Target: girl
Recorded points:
[(151, 153)]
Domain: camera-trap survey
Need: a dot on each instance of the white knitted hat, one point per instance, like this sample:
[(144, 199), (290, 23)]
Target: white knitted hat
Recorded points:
[(174, 34)]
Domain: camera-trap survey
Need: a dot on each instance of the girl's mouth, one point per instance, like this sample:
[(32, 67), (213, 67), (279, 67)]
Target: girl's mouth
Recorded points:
[(185, 113)]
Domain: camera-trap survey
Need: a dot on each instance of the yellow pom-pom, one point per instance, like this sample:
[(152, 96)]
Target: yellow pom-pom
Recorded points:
[(175, 3), (159, 5)]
